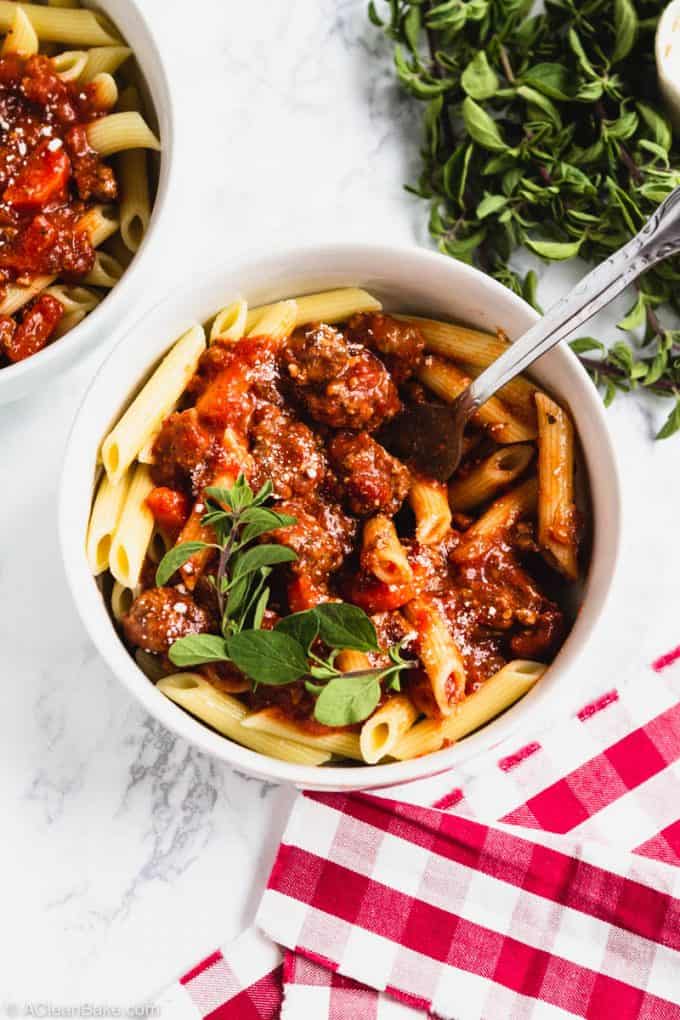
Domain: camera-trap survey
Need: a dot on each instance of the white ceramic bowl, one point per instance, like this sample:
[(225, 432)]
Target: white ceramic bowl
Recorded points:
[(18, 380), (408, 279)]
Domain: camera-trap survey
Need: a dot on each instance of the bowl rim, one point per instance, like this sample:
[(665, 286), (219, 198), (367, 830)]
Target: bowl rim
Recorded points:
[(99, 626), (66, 347)]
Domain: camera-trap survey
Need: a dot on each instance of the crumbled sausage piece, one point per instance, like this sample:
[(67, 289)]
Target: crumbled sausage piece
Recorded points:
[(400, 344), (340, 384), (287, 453), (371, 479), (160, 616), (183, 452)]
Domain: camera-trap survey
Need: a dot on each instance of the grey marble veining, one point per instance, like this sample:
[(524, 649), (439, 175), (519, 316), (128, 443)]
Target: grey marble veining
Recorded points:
[(125, 853)]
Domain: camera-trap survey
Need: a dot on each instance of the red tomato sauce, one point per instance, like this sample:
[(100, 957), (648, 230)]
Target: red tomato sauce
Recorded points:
[(49, 178)]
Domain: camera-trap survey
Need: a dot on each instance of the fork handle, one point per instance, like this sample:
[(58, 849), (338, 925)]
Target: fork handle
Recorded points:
[(659, 238)]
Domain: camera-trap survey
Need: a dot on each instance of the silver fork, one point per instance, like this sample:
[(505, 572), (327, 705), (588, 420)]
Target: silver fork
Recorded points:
[(431, 435)]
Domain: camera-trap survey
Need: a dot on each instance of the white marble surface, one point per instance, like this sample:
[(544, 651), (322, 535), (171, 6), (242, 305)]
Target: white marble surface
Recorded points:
[(124, 853)]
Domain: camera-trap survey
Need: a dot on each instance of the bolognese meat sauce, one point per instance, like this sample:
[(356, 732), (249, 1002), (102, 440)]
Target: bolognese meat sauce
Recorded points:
[(304, 412), (49, 178)]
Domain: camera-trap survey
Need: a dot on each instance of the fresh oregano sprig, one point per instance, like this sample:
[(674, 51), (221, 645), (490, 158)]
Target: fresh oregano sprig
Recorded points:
[(291, 650), (546, 131), (237, 517)]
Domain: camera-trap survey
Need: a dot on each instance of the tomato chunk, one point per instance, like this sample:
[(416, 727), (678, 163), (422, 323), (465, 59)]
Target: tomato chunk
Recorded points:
[(169, 507), (43, 178), (375, 596), (31, 335)]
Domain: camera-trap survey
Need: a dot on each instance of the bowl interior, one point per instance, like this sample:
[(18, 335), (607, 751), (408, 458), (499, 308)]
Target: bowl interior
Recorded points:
[(17, 380), (409, 280)]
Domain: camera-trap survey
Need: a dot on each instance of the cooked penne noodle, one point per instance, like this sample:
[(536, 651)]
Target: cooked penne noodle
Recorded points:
[(438, 653), (447, 381), (351, 661), (477, 350), (327, 306), (430, 505), (494, 522), (225, 714), (103, 59), (104, 90), (121, 600), (153, 403), (194, 530), (556, 507), (106, 511), (495, 695), (382, 554), (278, 321), (70, 64), (382, 731), (486, 478), (230, 322), (119, 131), (77, 302), (62, 3), (133, 531), (135, 204), (21, 37), (158, 546), (53, 24), (106, 271), (344, 743)]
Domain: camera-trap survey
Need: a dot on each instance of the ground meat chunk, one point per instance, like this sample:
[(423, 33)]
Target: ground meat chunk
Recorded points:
[(371, 480), (183, 453), (340, 384), (321, 537), (400, 344), (162, 615), (286, 452)]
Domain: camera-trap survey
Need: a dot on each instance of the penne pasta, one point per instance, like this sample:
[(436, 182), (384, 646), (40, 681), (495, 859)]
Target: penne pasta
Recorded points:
[(103, 59), (135, 205), (133, 531), (493, 473), (495, 695), (121, 600), (153, 403), (119, 131), (501, 515), (230, 322), (106, 511), (381, 733), (556, 507), (476, 350), (106, 271), (327, 306), (65, 25), (382, 554), (343, 743), (21, 37), (438, 653), (430, 505), (447, 381), (70, 64), (104, 91), (350, 661), (226, 714), (277, 322)]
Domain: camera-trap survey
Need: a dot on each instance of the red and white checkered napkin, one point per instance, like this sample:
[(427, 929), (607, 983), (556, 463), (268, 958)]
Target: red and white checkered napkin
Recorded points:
[(390, 909)]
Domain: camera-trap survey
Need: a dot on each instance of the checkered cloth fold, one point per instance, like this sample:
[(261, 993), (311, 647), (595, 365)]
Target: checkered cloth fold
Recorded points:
[(549, 886)]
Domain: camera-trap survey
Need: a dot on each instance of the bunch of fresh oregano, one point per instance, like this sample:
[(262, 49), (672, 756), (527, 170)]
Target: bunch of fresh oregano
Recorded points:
[(545, 131), (302, 645)]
